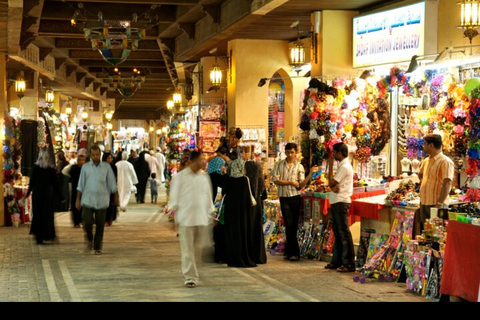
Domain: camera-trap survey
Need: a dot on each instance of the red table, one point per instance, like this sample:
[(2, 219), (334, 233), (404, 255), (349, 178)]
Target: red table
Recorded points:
[(461, 266), (359, 210)]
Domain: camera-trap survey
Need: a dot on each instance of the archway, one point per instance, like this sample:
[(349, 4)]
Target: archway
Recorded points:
[(279, 108)]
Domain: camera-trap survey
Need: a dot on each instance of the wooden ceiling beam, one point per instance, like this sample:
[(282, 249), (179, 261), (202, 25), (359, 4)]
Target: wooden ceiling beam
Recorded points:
[(139, 2)]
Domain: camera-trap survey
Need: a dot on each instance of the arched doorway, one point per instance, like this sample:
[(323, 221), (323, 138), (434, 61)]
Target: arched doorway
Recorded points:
[(276, 114)]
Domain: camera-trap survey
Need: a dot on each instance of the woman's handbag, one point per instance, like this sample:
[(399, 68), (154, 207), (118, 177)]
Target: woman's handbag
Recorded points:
[(252, 198)]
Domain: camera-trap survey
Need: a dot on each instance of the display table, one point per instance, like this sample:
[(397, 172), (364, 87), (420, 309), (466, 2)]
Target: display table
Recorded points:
[(354, 216), (461, 268)]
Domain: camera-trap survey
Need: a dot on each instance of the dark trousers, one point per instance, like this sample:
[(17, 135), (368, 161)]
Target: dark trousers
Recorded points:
[(343, 252), (97, 216), (290, 207), (424, 215)]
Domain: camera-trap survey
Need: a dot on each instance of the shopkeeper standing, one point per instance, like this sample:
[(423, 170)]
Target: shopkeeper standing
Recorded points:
[(343, 259), (436, 176), (289, 176)]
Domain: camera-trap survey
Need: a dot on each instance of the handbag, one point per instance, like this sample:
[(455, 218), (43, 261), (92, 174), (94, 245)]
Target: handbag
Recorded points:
[(252, 198)]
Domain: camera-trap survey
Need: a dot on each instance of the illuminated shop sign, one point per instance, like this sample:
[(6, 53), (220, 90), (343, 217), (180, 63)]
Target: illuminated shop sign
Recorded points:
[(389, 36)]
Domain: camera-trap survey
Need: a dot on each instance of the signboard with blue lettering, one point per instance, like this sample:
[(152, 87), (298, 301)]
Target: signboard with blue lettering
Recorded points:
[(389, 36)]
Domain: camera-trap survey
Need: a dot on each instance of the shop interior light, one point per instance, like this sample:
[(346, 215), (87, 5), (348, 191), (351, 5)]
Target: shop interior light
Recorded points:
[(165, 129), (170, 104), (151, 129), (469, 17), (159, 132), (68, 109), (20, 87), (109, 126)]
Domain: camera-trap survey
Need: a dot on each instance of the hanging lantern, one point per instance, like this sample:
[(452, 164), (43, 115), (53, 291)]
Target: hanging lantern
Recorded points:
[(159, 132), (49, 97), (68, 109), (297, 54), (170, 104), (109, 126), (109, 115), (84, 115), (20, 87), (469, 18), (216, 76), (177, 97)]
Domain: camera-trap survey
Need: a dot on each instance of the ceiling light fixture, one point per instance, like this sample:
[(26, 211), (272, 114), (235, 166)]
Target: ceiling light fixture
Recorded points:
[(115, 39)]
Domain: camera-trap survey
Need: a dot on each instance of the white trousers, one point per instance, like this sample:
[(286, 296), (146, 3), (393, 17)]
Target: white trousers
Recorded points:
[(194, 242)]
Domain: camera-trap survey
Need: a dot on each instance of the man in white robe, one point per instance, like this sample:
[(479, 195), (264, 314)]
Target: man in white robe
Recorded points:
[(161, 162), (126, 181), (152, 162)]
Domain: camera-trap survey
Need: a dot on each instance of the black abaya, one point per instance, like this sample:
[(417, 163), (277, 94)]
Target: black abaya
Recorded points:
[(44, 186), (255, 174), (74, 177), (143, 173), (238, 223), (219, 229)]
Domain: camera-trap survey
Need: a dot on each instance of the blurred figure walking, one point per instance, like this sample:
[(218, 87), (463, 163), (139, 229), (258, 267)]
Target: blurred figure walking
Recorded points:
[(126, 181), (191, 198)]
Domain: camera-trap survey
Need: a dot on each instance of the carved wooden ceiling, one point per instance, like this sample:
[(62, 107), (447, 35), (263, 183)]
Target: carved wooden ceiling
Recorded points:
[(180, 33)]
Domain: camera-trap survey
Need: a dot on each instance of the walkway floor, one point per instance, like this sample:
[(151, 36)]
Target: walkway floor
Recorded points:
[(141, 263)]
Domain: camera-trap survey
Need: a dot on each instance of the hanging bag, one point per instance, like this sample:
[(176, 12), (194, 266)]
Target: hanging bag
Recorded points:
[(252, 198)]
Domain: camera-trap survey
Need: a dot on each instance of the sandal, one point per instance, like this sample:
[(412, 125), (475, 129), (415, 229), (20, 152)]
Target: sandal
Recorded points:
[(345, 269), (330, 266), (98, 252), (190, 285)]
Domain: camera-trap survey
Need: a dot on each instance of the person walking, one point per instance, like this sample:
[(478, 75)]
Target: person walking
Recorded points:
[(289, 177), (111, 214), (191, 198), (142, 170), (61, 163), (161, 164), (185, 159), (44, 186), (341, 185), (96, 184), (436, 175), (153, 187), (126, 181), (133, 156), (73, 172), (152, 162)]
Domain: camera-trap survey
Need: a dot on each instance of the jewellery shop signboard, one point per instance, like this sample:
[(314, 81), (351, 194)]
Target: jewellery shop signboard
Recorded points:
[(389, 36)]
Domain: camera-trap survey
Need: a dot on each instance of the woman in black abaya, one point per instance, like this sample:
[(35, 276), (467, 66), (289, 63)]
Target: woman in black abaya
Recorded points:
[(237, 218), (254, 173), (142, 169), (44, 186)]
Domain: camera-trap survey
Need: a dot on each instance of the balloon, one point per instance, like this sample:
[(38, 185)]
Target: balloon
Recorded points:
[(471, 84)]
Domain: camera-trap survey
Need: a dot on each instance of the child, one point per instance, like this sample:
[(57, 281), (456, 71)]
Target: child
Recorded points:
[(153, 187)]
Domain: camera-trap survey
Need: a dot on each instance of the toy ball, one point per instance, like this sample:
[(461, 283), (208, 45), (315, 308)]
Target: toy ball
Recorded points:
[(471, 84)]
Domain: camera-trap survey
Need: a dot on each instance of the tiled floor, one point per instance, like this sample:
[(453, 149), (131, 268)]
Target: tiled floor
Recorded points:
[(141, 263)]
